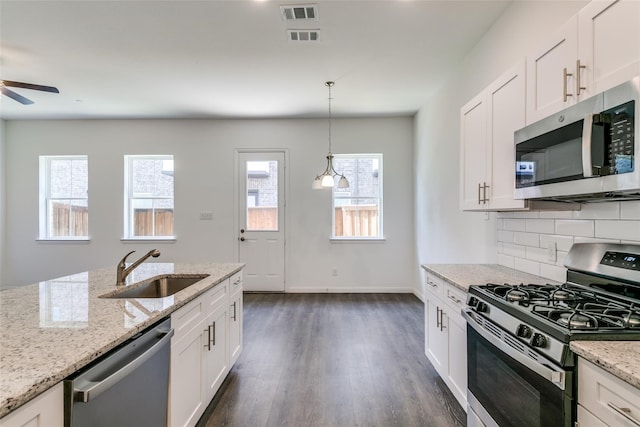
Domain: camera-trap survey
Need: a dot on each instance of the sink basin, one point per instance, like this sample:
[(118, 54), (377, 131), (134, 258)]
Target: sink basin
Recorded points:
[(157, 287)]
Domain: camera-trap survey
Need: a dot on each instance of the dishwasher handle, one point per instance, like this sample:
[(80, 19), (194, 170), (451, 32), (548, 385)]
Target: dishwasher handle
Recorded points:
[(92, 389)]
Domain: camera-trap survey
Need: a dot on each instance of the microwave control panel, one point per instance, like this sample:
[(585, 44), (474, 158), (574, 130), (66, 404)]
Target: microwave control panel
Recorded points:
[(618, 126)]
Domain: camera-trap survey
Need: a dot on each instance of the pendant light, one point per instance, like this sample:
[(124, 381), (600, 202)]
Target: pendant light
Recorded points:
[(327, 178)]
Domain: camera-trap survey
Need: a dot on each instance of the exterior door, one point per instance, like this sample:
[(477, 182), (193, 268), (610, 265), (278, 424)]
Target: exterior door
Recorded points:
[(261, 236)]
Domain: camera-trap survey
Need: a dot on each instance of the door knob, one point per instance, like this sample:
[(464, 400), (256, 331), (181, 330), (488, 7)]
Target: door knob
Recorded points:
[(242, 239)]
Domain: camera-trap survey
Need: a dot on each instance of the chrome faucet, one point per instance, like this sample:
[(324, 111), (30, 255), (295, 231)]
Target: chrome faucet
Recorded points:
[(122, 272)]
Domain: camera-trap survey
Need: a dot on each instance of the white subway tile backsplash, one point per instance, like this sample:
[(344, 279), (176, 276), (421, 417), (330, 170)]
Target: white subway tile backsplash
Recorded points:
[(556, 214), (507, 261), (553, 272), (526, 239), (618, 229), (563, 243), (583, 228), (540, 226), (505, 236), (630, 210), (598, 211), (514, 250), (523, 237), (513, 224), (537, 254), (527, 266)]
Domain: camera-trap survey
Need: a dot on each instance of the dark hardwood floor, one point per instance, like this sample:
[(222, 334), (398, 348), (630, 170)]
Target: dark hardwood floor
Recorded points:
[(333, 360)]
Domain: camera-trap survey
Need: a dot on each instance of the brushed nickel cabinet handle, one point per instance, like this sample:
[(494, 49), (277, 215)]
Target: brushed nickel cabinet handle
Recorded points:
[(208, 344), (454, 299), (479, 189), (438, 317), (213, 327), (579, 86), (565, 83), (234, 311), (625, 412)]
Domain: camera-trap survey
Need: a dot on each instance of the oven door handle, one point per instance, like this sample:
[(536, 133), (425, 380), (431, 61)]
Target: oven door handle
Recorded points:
[(557, 377)]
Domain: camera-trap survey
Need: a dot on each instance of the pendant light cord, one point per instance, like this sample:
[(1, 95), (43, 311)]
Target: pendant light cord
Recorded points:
[(330, 85)]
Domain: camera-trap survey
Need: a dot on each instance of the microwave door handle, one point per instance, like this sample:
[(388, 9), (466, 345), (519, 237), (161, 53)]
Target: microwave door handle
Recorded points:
[(587, 128)]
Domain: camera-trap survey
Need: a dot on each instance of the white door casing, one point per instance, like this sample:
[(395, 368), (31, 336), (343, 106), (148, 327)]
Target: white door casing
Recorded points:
[(260, 184)]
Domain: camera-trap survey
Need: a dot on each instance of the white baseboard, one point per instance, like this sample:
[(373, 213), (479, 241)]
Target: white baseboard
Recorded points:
[(350, 290)]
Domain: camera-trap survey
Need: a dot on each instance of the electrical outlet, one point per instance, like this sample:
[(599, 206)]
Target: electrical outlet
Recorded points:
[(206, 215), (552, 252)]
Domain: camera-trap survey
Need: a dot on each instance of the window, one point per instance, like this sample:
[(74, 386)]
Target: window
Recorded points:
[(64, 202), (357, 210), (148, 196)]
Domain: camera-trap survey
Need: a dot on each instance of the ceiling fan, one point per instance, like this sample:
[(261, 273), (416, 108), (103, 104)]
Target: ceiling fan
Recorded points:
[(5, 84)]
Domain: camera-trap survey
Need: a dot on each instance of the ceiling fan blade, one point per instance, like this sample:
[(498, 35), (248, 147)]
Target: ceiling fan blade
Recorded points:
[(11, 94), (30, 86)]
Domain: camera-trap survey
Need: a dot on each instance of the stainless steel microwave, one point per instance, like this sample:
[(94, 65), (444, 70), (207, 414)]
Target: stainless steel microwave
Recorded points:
[(587, 152)]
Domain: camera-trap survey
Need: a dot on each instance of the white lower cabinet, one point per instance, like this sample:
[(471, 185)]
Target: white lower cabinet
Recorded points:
[(46, 409), (605, 400), (446, 334), (235, 318), (202, 351)]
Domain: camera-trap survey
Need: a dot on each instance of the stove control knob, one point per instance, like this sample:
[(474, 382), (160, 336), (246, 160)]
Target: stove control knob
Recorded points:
[(524, 331), (482, 307), (472, 302), (539, 341)]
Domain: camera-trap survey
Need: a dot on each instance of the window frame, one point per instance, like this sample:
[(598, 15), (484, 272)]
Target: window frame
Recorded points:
[(128, 197), (45, 196), (335, 195)]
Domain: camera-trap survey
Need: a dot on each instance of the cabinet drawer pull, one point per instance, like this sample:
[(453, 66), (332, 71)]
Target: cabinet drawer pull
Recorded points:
[(625, 412), (208, 344), (432, 284), (455, 299)]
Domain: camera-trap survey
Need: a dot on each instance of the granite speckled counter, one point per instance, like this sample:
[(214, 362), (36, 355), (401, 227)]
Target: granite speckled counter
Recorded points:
[(464, 275), (620, 358), (51, 329)]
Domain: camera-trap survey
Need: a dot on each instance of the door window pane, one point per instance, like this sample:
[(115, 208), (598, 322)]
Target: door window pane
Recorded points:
[(262, 196)]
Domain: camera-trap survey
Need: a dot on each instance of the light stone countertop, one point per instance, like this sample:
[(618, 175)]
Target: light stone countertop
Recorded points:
[(620, 358), (51, 329), (464, 275)]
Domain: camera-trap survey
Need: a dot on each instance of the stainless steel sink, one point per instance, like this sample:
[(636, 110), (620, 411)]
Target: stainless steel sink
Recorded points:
[(157, 287)]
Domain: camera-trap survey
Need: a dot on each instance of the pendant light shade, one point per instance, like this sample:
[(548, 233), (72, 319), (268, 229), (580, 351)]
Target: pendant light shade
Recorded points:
[(327, 178)]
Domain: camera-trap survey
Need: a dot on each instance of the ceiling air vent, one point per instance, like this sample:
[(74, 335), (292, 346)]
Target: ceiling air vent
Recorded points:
[(300, 12), (304, 35)]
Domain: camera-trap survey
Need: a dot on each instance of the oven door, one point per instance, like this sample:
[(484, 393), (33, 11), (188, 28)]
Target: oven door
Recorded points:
[(507, 386)]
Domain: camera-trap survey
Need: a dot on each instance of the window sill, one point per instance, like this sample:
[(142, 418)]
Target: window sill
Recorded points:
[(81, 240), (170, 239), (357, 240)]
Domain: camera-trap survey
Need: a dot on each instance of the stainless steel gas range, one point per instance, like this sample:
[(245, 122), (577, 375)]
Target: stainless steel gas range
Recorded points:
[(521, 371)]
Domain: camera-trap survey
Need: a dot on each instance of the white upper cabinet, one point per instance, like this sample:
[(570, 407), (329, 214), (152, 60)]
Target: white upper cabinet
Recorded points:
[(487, 124), (609, 48), (550, 75), (595, 50)]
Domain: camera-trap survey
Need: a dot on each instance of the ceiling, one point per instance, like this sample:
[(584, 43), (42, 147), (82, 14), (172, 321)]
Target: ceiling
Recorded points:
[(231, 59)]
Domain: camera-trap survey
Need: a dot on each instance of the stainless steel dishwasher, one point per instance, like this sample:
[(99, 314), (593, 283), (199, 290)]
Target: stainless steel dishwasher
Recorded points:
[(128, 387)]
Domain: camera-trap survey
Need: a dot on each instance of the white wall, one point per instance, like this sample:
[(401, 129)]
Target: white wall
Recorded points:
[(204, 155), (444, 233)]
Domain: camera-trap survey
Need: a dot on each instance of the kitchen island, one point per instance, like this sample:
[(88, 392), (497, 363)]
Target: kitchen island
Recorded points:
[(51, 329)]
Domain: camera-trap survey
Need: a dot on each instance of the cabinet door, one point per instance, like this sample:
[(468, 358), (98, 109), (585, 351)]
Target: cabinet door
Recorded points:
[(473, 153), (47, 409), (457, 362), (546, 83), (506, 114), (436, 337), (608, 44), (187, 397), (235, 327), (215, 351)]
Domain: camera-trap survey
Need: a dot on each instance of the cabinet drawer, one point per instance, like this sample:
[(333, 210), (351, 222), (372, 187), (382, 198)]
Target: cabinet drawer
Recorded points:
[(188, 317), (235, 283), (610, 399), (434, 285)]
